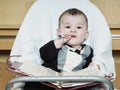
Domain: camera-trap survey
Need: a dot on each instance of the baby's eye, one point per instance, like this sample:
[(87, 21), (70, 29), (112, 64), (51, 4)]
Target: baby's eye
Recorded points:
[(79, 27), (67, 27)]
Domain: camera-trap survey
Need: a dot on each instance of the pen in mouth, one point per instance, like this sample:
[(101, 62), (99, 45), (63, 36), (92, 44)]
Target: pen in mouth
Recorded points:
[(62, 36)]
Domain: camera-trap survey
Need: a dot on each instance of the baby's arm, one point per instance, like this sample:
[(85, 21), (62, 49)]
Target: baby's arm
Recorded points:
[(48, 51)]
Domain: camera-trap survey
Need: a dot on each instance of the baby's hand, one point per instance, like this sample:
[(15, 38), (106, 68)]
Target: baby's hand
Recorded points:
[(94, 65), (61, 40)]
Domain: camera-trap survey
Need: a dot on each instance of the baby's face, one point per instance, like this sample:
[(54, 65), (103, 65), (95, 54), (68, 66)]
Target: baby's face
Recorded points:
[(74, 26)]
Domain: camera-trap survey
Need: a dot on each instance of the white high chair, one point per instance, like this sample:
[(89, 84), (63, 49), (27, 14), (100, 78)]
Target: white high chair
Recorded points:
[(39, 27)]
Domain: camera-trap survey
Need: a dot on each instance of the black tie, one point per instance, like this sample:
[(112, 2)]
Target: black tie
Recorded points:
[(77, 51)]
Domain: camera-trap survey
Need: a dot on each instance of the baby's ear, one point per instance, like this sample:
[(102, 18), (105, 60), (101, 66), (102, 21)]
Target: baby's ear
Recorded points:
[(87, 34)]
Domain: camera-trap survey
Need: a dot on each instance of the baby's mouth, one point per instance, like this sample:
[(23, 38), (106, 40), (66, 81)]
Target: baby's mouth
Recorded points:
[(73, 36)]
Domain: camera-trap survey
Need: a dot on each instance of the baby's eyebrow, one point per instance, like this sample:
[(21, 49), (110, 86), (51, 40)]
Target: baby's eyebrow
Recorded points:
[(80, 24), (66, 24)]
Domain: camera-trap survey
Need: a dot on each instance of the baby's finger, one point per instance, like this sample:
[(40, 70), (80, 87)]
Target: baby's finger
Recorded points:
[(67, 38)]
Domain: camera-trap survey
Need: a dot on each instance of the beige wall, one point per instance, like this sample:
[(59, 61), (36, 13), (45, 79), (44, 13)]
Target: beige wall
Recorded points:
[(12, 12), (111, 10)]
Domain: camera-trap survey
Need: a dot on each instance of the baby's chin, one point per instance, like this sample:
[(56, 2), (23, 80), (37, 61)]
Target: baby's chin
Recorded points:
[(73, 43)]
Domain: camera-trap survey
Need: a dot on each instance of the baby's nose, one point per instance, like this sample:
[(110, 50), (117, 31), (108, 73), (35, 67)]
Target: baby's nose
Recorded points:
[(73, 30)]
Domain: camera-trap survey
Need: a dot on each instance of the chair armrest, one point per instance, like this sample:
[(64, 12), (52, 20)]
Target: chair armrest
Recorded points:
[(48, 79)]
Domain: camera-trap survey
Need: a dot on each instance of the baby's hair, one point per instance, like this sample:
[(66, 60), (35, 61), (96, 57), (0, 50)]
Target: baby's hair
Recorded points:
[(73, 12)]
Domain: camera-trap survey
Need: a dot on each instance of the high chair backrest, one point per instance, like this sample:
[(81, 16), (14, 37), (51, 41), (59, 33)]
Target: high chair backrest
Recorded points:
[(41, 22)]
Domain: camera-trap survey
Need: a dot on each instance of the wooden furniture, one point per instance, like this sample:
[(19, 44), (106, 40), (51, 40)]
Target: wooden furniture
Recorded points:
[(5, 76), (7, 37)]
